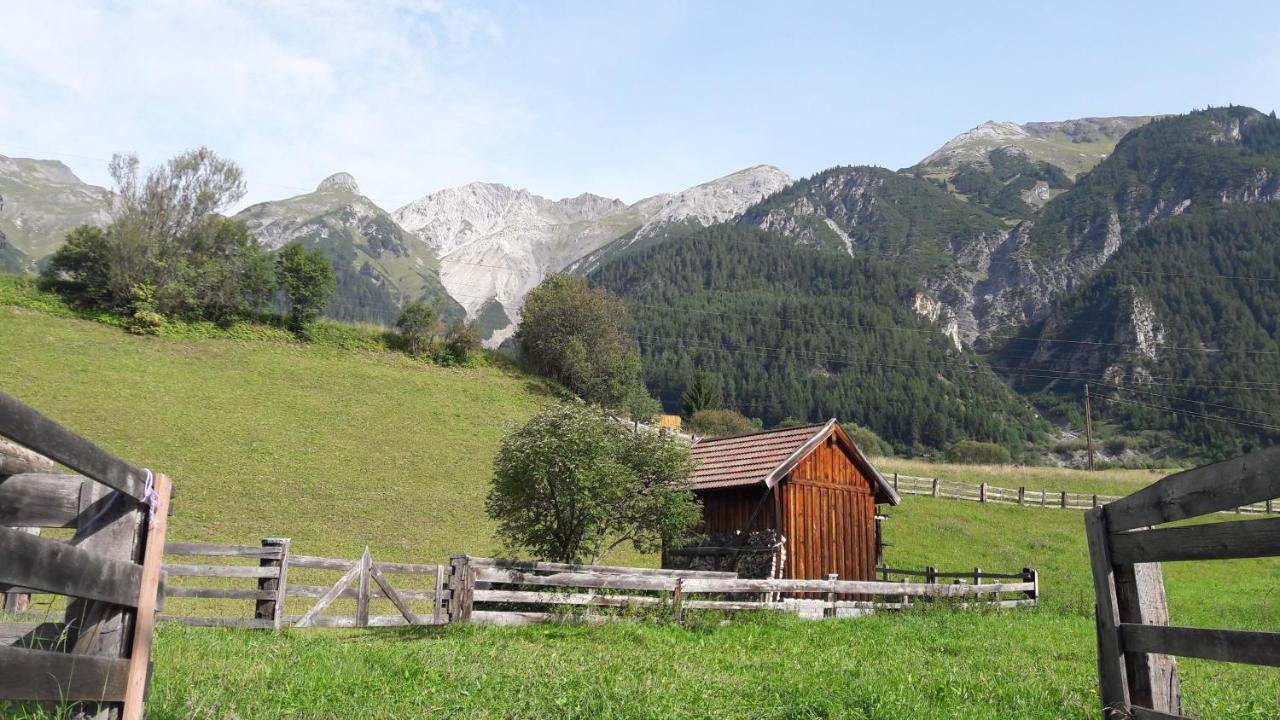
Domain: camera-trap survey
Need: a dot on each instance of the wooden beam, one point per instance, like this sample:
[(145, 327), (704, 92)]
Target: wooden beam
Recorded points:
[(1238, 646), (49, 500), (56, 567), (25, 426), (15, 459), (144, 627), (1216, 541), (45, 676), (393, 596), (1153, 678), (1199, 491), (209, 550), (1112, 678), (37, 635), (362, 594)]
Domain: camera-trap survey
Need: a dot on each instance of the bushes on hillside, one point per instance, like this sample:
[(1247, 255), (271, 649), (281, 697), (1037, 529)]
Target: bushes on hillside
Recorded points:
[(867, 440), (720, 423), (307, 279), (973, 452), (572, 484), (166, 235), (417, 325), (579, 337)]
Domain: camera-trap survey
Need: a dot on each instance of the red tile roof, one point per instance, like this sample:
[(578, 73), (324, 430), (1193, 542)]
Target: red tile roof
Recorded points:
[(765, 457), (747, 459)]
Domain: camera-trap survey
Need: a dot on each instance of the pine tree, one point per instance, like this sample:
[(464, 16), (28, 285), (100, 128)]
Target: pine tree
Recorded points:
[(702, 393)]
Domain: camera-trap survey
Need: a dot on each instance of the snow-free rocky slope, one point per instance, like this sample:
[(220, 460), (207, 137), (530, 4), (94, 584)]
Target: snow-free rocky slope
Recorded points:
[(496, 243), (40, 202), (380, 267)]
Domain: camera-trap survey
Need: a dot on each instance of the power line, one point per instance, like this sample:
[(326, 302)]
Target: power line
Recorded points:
[(1189, 413)]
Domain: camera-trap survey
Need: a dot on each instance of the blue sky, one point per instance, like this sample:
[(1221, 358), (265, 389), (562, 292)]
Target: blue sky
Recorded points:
[(623, 99)]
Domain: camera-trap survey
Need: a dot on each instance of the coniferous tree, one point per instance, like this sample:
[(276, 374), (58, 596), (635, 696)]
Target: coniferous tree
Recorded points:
[(701, 393)]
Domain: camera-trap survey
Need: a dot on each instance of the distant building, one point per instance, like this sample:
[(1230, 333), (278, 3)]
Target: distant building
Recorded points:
[(811, 485), (669, 421)]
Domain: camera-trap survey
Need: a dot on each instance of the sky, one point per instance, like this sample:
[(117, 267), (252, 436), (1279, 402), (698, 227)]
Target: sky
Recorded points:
[(622, 99)]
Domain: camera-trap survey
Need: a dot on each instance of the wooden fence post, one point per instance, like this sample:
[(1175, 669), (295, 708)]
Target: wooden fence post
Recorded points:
[(1064, 499), (1153, 677), (895, 481), (437, 601), (982, 492), (1043, 501), (1022, 495), (1032, 576), (1113, 683), (931, 574), (273, 609), (977, 576), (831, 594), (1095, 501), (1270, 506), (935, 487), (677, 602), (362, 594), (461, 581)]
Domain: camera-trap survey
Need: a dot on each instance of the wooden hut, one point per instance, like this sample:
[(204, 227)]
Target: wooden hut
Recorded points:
[(810, 483)]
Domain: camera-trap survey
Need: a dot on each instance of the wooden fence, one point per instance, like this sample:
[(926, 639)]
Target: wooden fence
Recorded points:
[(1137, 672), (508, 592), (98, 656), (279, 575), (1060, 499)]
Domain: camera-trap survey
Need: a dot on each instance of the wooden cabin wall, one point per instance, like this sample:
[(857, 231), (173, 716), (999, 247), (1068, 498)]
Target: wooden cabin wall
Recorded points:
[(729, 509), (828, 517)]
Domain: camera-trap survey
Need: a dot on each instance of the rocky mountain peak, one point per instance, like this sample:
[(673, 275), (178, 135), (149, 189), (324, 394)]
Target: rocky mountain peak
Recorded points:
[(341, 181)]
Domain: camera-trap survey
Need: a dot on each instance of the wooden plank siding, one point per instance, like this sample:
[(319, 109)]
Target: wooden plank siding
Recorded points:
[(731, 509), (828, 517)]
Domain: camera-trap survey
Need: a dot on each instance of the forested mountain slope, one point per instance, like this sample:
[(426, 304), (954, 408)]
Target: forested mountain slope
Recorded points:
[(805, 332), (1183, 322)]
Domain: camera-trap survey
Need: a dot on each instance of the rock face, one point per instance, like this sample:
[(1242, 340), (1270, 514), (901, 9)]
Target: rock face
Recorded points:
[(379, 266), (496, 243), (41, 201)]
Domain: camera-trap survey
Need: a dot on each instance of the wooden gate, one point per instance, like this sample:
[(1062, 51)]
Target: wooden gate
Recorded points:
[(98, 657), (1137, 672)]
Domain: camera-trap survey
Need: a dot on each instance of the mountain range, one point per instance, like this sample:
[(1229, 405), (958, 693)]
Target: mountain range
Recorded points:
[(1007, 244)]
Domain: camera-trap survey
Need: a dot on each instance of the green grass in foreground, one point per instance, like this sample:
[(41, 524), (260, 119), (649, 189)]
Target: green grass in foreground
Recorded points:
[(343, 448)]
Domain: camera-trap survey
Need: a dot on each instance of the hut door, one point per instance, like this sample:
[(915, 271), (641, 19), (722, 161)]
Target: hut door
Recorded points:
[(830, 529)]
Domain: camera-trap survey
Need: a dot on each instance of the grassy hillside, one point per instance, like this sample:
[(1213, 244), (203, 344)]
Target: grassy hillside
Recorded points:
[(334, 448), (341, 448)]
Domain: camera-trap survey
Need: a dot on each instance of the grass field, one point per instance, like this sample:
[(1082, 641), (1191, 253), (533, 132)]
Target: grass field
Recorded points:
[(342, 448)]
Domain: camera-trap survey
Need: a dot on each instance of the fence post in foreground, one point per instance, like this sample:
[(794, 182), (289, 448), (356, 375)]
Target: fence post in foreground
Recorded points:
[(362, 594), (273, 609), (831, 594), (1022, 495), (677, 602), (977, 576), (931, 574), (13, 601), (437, 600), (1032, 576), (935, 487), (1064, 499), (982, 492), (895, 481), (461, 582), (1095, 501)]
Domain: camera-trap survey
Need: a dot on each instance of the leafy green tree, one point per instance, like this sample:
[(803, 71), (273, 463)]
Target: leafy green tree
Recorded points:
[(579, 336), (973, 452), (867, 440), (719, 423), (308, 281), (572, 484), (417, 325), (166, 234), (702, 393), (642, 406), (461, 342)]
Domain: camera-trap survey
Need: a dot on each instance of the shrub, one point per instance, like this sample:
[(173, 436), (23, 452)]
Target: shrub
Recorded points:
[(308, 282), (572, 484), (417, 325), (973, 452), (867, 440), (719, 423), (144, 319), (461, 343)]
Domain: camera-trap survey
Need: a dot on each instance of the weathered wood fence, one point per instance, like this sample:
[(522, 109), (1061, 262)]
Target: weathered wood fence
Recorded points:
[(98, 657), (1032, 497), (1137, 672), (509, 592), (279, 575)]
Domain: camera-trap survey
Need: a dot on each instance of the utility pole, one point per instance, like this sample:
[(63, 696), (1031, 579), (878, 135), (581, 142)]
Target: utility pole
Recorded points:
[(1088, 424)]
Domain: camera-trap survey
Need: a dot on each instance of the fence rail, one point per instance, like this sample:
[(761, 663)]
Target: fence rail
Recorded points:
[(1059, 499), (1137, 672), (485, 590)]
